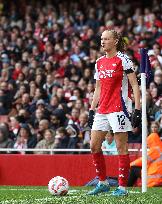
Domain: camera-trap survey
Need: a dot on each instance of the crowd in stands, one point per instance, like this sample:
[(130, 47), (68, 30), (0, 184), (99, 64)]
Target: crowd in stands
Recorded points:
[(48, 51)]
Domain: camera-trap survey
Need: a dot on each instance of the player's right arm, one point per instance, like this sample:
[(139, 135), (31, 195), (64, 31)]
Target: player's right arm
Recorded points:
[(96, 96)]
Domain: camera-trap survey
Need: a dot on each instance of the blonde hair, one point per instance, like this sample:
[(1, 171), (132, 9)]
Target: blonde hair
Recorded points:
[(51, 131), (121, 45)]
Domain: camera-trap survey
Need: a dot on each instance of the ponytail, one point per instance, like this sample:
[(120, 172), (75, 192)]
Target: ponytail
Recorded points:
[(121, 44)]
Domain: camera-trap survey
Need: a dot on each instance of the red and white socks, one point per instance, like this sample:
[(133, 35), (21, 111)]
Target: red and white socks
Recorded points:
[(124, 165), (99, 163)]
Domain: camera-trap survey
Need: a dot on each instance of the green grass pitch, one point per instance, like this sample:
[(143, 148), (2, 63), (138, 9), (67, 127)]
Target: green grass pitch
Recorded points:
[(77, 195)]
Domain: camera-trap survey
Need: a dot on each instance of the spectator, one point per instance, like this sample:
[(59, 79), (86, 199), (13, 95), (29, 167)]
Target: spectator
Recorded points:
[(79, 104), (84, 134), (19, 93), (25, 139), (3, 110), (74, 117), (154, 94), (44, 124), (14, 125), (151, 107), (60, 95), (36, 118), (48, 67), (109, 145), (53, 104), (48, 85), (154, 128), (21, 80), (41, 105), (55, 121), (154, 163), (7, 96), (73, 132), (5, 141), (158, 80), (32, 87), (23, 116), (25, 101), (4, 75), (48, 142), (61, 138)]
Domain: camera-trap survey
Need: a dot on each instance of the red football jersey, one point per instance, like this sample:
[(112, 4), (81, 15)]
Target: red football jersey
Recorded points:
[(115, 95)]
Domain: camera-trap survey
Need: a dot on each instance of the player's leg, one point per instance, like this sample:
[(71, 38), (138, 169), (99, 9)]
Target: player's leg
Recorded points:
[(97, 138), (121, 124), (121, 139), (98, 133)]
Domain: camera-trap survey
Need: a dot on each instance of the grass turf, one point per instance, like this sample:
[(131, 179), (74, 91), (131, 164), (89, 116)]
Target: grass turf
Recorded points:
[(77, 195)]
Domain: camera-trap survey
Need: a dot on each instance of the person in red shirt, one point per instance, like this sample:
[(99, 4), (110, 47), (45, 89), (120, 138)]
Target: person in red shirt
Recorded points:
[(115, 77)]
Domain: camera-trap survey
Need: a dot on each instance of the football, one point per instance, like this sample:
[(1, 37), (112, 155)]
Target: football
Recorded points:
[(58, 186)]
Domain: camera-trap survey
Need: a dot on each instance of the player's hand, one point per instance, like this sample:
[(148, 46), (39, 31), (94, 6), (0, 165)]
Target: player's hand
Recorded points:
[(136, 118), (91, 118)]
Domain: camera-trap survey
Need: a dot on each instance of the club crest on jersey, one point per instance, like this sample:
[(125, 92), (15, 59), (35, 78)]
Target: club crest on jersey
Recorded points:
[(106, 74)]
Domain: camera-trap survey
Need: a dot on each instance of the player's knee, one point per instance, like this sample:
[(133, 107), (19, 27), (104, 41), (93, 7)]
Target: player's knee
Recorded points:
[(94, 148), (122, 149)]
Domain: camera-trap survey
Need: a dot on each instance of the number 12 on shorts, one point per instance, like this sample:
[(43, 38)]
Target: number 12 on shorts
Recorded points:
[(121, 119)]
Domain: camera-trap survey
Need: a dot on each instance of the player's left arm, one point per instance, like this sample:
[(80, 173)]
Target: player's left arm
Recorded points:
[(136, 91)]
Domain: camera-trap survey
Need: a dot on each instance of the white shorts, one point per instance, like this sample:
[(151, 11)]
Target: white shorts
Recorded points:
[(117, 122)]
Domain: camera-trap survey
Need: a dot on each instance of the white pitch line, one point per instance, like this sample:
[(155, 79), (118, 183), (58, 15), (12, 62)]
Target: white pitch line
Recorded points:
[(33, 189), (76, 190), (26, 201), (69, 192), (20, 189), (134, 192)]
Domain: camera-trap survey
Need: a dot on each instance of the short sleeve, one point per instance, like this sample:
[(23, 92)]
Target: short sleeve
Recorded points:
[(96, 75), (127, 65)]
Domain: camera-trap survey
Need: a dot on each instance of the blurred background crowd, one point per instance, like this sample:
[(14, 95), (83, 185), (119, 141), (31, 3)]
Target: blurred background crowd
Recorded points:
[(48, 51)]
